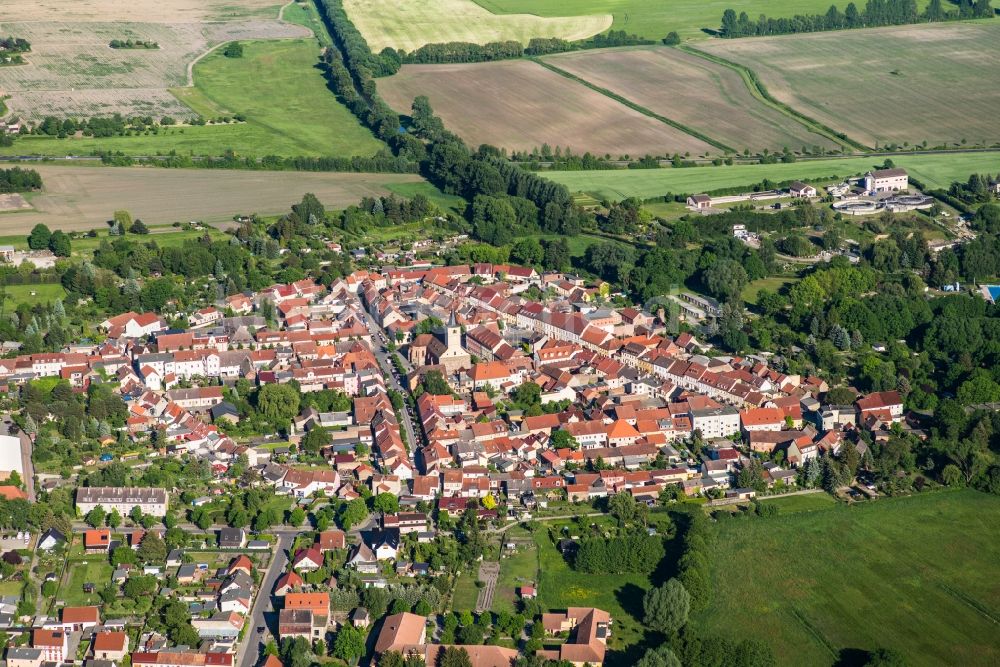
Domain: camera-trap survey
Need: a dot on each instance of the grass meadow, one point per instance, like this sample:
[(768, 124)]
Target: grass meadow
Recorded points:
[(916, 574), (934, 170), (32, 294)]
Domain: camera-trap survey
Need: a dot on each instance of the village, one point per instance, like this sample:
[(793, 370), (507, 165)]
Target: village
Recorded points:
[(469, 401)]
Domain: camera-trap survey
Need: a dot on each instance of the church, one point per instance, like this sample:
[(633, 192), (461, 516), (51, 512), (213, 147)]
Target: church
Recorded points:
[(443, 347)]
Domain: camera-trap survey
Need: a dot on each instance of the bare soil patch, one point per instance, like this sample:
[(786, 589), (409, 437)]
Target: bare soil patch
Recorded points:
[(520, 105), (13, 202), (693, 91), (80, 198)]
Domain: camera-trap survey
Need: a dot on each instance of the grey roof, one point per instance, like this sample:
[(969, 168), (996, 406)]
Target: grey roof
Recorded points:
[(24, 653)]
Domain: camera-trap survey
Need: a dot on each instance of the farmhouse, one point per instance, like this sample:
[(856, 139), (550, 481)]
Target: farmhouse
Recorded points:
[(699, 202), (123, 499), (886, 180)]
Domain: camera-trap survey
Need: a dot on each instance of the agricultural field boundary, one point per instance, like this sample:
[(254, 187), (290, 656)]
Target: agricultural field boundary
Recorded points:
[(759, 91), (636, 107)]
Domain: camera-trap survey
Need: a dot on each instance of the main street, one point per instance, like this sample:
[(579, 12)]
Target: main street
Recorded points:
[(253, 642), (381, 351)]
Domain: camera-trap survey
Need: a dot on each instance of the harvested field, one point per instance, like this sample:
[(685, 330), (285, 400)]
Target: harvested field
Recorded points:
[(79, 198), (157, 11), (411, 24), (937, 83), (72, 71), (520, 105), (697, 93)]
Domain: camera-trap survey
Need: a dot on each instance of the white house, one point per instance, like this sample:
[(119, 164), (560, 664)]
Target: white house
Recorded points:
[(886, 180)]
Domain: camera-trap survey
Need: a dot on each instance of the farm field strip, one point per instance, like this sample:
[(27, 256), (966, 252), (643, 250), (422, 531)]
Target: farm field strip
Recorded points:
[(409, 25), (920, 565), (624, 101), (520, 105), (697, 93), (933, 82), (935, 171), (653, 19), (157, 11), (81, 198)]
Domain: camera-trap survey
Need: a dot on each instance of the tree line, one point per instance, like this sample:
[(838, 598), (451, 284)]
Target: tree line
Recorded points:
[(468, 52), (133, 44), (19, 180), (504, 198), (382, 162), (876, 13)]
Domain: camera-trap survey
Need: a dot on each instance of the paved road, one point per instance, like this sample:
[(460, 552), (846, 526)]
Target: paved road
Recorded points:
[(250, 649), (382, 354)]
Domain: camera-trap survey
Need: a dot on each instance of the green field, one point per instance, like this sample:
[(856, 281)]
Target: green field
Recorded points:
[(32, 294), (915, 574), (934, 170), (516, 570), (288, 108), (805, 503), (466, 592), (653, 19)]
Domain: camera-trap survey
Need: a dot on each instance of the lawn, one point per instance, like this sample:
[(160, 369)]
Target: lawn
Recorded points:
[(913, 574), (276, 86), (805, 503), (31, 294), (653, 19), (934, 170), (97, 571), (466, 592), (516, 570)]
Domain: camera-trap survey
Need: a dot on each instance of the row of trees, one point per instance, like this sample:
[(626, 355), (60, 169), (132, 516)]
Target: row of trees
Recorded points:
[(468, 52), (133, 44), (876, 13), (98, 126)]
